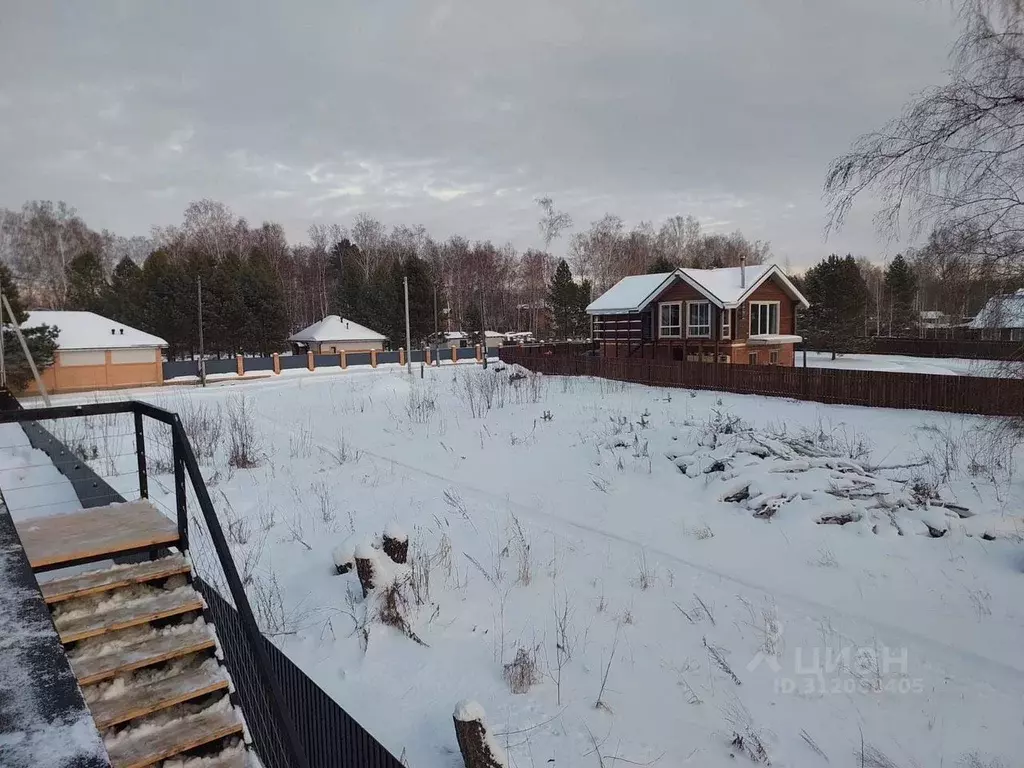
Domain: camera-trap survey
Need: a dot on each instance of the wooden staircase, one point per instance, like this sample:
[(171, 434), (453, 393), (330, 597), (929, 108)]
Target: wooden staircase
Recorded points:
[(145, 658)]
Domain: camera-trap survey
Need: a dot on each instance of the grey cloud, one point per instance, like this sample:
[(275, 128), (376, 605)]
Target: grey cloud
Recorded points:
[(458, 114)]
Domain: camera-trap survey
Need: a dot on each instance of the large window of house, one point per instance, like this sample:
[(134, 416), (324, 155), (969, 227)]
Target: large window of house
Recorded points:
[(670, 320), (764, 317), (726, 323), (698, 319)]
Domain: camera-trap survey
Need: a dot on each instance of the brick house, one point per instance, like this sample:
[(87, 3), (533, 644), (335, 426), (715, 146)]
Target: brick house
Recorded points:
[(743, 315)]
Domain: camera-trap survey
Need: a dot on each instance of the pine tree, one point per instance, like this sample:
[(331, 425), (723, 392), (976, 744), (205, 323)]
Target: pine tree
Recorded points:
[(124, 297), (581, 321), (661, 265), (87, 284), (472, 322), (41, 340), (837, 294), (267, 316), (168, 297), (227, 321), (564, 298), (421, 300), (901, 288)]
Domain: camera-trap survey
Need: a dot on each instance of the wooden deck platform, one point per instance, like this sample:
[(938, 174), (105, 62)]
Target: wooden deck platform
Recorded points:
[(93, 534)]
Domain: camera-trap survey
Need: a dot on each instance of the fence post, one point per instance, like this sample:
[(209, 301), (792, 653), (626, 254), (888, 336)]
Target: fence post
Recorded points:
[(373, 358), (426, 355), (478, 357), (455, 355), (239, 365), (277, 363), (343, 359), (310, 361), (179, 482), (401, 355), (140, 455)]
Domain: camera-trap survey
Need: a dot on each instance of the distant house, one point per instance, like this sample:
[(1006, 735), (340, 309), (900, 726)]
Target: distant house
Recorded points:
[(335, 334), (455, 339), (94, 352), (1002, 314), (494, 339), (730, 315), (933, 318)]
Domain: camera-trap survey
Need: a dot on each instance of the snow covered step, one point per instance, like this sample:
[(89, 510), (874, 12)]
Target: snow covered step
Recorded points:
[(95, 534), (131, 614), (93, 582), (152, 746), (141, 700), (153, 650)]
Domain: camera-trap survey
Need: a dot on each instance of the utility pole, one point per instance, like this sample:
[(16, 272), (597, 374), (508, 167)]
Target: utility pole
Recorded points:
[(483, 326), (436, 329), (408, 334), (202, 355)]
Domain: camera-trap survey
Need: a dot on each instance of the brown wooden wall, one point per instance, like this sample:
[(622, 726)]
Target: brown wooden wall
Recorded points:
[(772, 290)]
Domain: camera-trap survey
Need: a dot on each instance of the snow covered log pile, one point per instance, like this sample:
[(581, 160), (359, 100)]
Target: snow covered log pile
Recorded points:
[(813, 475), (478, 747)]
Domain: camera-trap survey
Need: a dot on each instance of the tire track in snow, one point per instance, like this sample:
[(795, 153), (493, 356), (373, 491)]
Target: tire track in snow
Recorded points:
[(999, 671)]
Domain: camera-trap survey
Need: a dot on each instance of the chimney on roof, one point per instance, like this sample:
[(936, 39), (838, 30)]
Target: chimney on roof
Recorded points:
[(122, 331), (346, 325), (743, 271), (113, 331)]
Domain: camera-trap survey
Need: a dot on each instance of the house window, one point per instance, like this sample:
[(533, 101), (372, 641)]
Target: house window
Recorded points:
[(698, 319), (670, 324), (773, 357), (752, 358), (726, 324), (764, 317)]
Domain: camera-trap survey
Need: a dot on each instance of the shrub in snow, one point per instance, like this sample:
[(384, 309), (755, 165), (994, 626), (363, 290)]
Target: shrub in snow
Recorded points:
[(521, 673), (478, 747), (243, 450)]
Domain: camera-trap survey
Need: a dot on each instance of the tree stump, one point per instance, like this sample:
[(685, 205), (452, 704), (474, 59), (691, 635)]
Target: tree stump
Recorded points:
[(478, 749), (365, 557), (395, 543)]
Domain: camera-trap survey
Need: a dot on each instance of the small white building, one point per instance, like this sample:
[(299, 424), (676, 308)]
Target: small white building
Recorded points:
[(335, 334)]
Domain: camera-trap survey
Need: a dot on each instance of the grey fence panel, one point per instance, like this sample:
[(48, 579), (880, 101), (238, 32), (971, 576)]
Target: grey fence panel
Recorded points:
[(229, 365), (466, 353), (259, 363), (293, 361), (175, 368), (416, 356), (326, 361), (387, 357), (357, 358)]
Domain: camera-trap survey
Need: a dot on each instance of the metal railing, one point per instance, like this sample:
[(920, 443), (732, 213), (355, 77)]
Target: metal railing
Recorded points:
[(272, 691)]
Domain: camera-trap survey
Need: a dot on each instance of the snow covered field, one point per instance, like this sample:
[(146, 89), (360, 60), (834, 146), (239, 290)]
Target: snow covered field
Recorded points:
[(942, 366), (580, 527)]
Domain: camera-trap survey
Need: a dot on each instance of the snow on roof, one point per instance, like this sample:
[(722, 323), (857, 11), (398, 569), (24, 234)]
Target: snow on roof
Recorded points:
[(630, 294), (87, 330), (726, 286), (1006, 311), (454, 335), (334, 328)]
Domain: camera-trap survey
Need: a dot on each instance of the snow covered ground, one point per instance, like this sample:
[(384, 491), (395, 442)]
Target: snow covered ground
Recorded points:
[(581, 528), (942, 366)]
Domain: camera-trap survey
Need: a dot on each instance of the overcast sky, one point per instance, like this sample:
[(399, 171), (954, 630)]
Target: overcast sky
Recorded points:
[(457, 114)]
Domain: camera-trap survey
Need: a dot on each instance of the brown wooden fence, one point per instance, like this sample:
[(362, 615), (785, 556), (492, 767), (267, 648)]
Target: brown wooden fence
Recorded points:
[(879, 389), (964, 348)]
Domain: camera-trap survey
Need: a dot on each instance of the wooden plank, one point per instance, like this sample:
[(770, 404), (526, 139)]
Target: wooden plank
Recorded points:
[(139, 701), (180, 736), (152, 650), (95, 533), (140, 612), (108, 579)]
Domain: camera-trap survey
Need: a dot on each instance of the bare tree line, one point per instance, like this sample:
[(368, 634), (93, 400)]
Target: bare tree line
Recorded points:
[(508, 287)]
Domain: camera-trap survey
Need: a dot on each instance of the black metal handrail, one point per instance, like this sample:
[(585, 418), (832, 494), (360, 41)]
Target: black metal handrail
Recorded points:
[(185, 463)]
